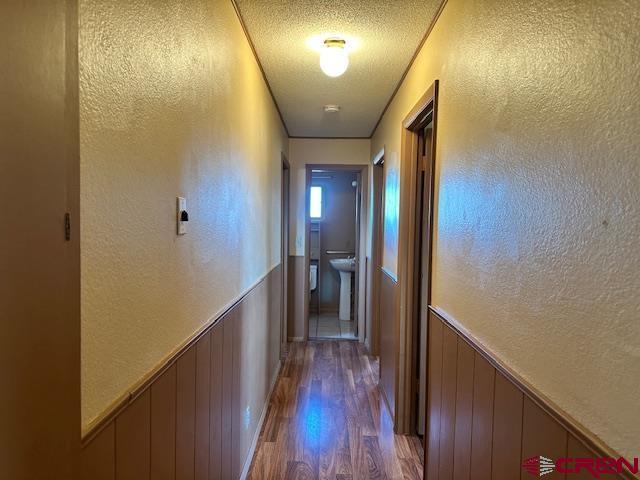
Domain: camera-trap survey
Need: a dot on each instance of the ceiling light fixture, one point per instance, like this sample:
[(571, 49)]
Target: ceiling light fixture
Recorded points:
[(334, 59), (331, 108)]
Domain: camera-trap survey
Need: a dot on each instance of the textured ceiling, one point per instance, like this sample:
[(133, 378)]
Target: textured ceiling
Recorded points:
[(383, 36)]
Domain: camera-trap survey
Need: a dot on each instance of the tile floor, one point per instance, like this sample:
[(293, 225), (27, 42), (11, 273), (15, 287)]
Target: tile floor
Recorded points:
[(327, 325)]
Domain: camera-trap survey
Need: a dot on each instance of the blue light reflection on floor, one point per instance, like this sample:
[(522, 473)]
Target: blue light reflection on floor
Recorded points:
[(316, 431)]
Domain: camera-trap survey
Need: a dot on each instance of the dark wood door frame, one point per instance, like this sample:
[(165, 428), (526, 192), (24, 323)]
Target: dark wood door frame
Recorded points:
[(409, 246), (284, 255), (373, 336)]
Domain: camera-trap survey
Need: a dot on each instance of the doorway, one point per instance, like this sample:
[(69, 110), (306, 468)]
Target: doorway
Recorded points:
[(374, 265), (335, 239), (284, 254), (422, 269), (414, 261)]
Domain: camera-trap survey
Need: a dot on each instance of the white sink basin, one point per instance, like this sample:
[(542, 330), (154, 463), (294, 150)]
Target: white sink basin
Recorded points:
[(344, 266)]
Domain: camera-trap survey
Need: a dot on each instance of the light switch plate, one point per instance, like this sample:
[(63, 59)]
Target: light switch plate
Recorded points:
[(181, 205)]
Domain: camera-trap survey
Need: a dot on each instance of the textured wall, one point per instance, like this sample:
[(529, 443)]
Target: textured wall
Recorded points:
[(172, 103), (538, 198), (391, 213)]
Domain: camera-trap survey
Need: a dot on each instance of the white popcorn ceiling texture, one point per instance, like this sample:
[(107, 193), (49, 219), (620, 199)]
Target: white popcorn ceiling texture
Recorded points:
[(387, 34)]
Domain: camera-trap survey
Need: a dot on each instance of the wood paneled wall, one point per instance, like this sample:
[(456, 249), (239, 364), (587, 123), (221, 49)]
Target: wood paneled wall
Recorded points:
[(368, 299), (388, 339), (481, 425), (295, 314), (198, 419)]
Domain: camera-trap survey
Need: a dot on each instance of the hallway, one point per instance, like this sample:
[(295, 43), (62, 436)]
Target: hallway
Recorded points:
[(327, 420), (278, 239)]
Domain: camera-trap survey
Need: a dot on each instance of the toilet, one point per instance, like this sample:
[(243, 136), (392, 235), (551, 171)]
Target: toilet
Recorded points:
[(313, 277)]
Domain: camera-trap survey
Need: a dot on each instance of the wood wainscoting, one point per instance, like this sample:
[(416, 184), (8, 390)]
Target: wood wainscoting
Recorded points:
[(388, 340), (297, 301), (482, 422), (368, 301), (199, 418)]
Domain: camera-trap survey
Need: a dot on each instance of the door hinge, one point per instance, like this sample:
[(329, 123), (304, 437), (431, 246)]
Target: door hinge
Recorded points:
[(67, 227)]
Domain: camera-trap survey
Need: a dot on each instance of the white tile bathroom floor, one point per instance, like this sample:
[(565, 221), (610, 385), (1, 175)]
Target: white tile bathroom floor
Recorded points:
[(327, 325)]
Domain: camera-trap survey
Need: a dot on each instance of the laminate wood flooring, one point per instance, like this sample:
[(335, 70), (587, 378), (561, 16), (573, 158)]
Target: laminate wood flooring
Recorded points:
[(326, 420)]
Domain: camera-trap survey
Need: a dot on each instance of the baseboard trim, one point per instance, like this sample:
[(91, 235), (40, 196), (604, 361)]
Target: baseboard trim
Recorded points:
[(98, 424), (252, 450)]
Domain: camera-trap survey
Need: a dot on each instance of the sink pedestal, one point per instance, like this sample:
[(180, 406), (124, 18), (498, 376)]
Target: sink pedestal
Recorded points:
[(344, 312), (345, 266)]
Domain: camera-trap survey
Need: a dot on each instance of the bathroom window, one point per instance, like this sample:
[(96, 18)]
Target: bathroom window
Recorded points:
[(315, 202)]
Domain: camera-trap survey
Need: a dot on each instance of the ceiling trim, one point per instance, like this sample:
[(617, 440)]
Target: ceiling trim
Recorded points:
[(406, 71), (255, 55)]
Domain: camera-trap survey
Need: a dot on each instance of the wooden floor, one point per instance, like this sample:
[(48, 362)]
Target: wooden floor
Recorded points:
[(327, 420)]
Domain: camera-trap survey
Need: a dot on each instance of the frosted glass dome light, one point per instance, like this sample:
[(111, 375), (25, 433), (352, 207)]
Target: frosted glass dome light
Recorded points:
[(334, 59)]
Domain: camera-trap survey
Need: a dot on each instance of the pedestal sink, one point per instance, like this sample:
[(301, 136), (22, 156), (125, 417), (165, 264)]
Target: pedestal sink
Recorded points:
[(345, 266)]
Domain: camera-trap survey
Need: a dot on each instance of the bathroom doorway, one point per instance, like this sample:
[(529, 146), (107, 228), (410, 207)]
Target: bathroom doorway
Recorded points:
[(335, 243)]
